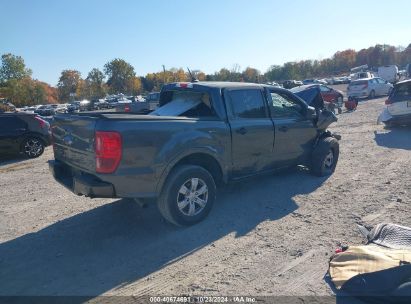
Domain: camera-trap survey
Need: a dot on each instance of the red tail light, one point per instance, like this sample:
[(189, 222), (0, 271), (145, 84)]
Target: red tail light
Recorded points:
[(126, 108), (365, 85), (108, 150), (42, 122), (388, 101)]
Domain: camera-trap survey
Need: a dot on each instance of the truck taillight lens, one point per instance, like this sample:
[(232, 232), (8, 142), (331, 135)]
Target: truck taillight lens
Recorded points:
[(108, 150), (127, 108)]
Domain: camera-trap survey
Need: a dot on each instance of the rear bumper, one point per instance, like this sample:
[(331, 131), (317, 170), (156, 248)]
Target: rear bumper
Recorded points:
[(86, 185), (361, 94), (400, 119)]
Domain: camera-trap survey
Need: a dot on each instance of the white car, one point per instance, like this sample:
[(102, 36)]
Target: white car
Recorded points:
[(398, 109), (369, 88)]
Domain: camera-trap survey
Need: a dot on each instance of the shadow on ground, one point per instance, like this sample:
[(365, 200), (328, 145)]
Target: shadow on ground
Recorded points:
[(119, 243), (11, 159), (396, 138)]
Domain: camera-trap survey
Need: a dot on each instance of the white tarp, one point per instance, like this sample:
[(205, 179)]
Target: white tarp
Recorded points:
[(183, 102)]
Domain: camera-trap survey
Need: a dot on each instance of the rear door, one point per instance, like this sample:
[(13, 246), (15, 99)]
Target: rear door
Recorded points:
[(294, 133), (252, 131), (384, 87), (12, 130)]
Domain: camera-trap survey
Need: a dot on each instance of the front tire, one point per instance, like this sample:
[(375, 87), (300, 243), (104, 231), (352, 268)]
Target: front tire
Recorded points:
[(325, 157), (32, 147), (187, 196)]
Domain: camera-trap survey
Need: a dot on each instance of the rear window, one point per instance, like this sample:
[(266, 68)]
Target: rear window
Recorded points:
[(402, 91), (358, 82)]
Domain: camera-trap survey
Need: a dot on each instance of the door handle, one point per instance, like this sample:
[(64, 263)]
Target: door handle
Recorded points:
[(241, 131), (283, 129)]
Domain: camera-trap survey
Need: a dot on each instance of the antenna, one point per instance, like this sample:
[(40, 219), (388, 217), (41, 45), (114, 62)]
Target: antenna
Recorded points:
[(193, 79)]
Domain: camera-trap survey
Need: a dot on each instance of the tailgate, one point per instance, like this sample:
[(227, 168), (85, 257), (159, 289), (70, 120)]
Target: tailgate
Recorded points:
[(73, 137)]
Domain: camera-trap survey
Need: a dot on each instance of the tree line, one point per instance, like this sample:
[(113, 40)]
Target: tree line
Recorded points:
[(118, 76)]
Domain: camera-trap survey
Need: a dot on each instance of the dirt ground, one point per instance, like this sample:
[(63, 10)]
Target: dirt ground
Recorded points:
[(272, 235)]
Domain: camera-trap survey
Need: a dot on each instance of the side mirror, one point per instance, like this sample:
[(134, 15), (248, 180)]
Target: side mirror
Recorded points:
[(311, 113)]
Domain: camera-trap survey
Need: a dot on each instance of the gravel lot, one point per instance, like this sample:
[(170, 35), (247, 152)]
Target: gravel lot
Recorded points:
[(271, 235)]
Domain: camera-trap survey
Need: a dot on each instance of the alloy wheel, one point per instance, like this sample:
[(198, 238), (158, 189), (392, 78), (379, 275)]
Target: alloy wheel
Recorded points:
[(192, 196)]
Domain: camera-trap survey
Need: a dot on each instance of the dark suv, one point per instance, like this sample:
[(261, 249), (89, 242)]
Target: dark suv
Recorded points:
[(23, 133)]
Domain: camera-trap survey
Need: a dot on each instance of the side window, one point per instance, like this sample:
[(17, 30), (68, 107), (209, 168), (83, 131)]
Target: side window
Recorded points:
[(324, 89), (380, 80), (373, 81), (247, 103), (11, 123), (282, 105)]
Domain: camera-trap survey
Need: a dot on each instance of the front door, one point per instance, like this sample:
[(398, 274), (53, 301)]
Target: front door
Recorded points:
[(252, 131), (294, 132)]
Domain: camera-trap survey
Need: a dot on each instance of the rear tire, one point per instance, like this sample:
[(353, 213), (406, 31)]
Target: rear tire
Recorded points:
[(32, 147), (187, 195), (372, 94), (324, 157)]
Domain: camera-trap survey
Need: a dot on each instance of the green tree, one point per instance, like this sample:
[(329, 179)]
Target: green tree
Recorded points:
[(119, 74), (95, 84), (68, 84), (13, 67)]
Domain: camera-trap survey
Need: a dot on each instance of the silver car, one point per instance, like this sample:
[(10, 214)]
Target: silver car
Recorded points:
[(369, 87)]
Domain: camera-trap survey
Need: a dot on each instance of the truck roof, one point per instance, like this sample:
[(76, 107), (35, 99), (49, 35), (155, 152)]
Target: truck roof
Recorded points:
[(219, 84)]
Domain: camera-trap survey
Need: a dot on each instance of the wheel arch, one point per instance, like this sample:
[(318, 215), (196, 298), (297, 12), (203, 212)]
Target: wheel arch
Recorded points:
[(202, 159), (31, 135)]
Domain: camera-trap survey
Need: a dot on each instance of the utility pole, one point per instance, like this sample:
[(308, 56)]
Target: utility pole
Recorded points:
[(164, 75)]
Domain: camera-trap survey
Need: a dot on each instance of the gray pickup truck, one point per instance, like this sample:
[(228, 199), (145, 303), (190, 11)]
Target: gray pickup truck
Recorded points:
[(204, 134)]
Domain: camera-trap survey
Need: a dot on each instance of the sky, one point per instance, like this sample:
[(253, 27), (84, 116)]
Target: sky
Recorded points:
[(206, 35)]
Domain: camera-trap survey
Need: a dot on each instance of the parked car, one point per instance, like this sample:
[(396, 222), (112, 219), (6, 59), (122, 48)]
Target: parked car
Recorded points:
[(86, 105), (133, 107), (289, 84), (101, 104), (202, 135), (388, 73), (308, 81), (61, 108), (369, 88), (398, 110), (6, 106), (73, 107), (153, 99), (23, 133), (332, 98), (45, 110)]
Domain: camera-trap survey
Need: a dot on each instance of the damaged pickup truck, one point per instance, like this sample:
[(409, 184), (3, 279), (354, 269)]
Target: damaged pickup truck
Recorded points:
[(203, 134)]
